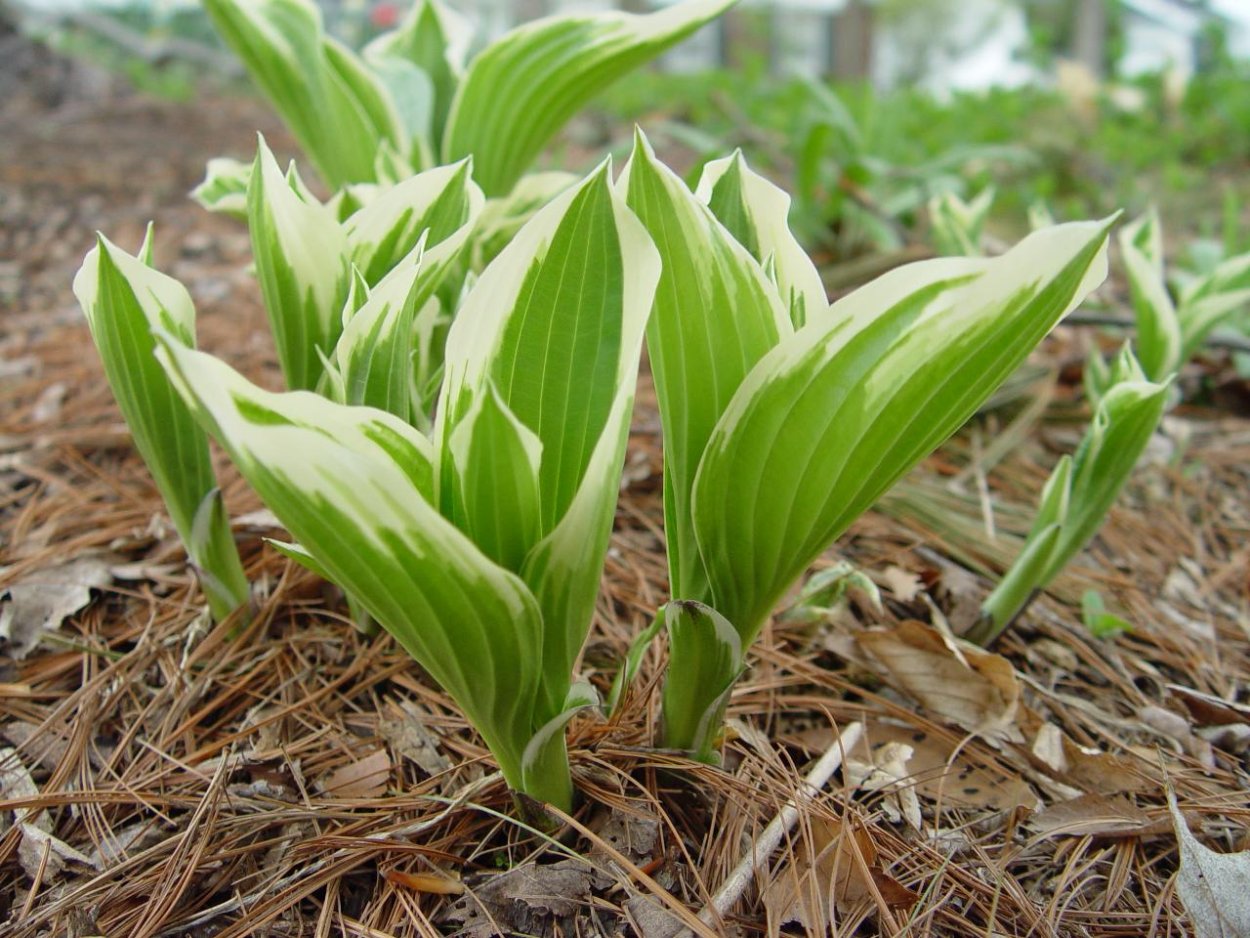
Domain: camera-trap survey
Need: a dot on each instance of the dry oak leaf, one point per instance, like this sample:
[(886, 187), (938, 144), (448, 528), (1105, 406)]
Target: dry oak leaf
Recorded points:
[(832, 870), (1096, 816), (1214, 887), (42, 599), (365, 778), (973, 689)]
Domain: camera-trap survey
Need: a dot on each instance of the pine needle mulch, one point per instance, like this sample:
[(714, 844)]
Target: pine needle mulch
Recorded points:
[(158, 778)]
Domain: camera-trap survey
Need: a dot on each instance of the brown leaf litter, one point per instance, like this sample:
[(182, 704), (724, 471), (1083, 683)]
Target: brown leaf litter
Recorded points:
[(158, 779)]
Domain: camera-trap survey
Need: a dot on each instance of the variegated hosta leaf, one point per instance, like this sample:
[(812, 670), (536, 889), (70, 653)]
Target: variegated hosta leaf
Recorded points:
[(554, 326), (1079, 493), (832, 416), (1126, 418), (523, 87), (1158, 327), (715, 316), (339, 112), (1200, 317), (704, 661), (434, 39), (958, 225), (445, 202), (224, 188), (755, 212), (301, 262), (372, 363), (124, 299), (352, 485)]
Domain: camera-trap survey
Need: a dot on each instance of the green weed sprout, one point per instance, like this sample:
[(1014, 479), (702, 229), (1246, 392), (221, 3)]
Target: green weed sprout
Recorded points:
[(777, 438), (1079, 493), (479, 546), (415, 98), (124, 300)]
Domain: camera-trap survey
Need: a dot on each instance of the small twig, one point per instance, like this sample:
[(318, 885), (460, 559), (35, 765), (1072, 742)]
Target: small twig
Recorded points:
[(736, 883)]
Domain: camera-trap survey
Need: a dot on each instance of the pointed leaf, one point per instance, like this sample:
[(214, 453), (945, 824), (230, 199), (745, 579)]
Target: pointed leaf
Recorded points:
[(435, 39), (755, 212), (337, 111), (224, 188), (351, 484), (124, 300), (495, 497), (1158, 327), (830, 418), (300, 254), (523, 87), (715, 316), (443, 201)]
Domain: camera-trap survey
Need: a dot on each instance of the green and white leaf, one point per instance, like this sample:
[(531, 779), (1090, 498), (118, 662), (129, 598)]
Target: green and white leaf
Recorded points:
[(503, 217), (554, 325), (434, 39), (716, 315), (523, 87), (301, 261), (338, 111), (957, 226), (351, 484), (832, 416), (124, 300), (224, 188), (443, 203), (755, 212), (1158, 327)]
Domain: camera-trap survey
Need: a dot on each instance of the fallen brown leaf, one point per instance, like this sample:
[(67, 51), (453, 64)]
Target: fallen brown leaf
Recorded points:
[(365, 778), (971, 688), (1214, 887), (1096, 816), (40, 601)]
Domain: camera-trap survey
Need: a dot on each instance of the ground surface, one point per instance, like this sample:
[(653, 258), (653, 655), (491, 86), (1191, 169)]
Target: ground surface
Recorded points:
[(159, 779)]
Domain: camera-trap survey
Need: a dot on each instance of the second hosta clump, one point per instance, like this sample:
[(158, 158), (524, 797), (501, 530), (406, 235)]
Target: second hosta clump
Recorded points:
[(479, 544)]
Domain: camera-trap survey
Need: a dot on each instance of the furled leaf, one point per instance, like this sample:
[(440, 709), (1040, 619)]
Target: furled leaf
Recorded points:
[(351, 484), (339, 113), (434, 39), (124, 299), (555, 326), (715, 316), (301, 262), (523, 87), (224, 188), (705, 660), (441, 203), (755, 212), (833, 415), (1158, 327)]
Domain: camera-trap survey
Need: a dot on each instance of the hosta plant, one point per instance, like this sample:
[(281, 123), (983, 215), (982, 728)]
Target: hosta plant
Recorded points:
[(957, 226), (415, 98), (1170, 331), (124, 300), (777, 438), (479, 546), (1079, 492)]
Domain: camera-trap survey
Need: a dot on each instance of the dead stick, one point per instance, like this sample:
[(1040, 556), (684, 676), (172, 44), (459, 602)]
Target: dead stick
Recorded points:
[(736, 883)]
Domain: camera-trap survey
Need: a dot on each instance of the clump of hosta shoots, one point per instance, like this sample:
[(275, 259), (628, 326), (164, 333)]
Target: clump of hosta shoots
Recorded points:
[(777, 438), (957, 226), (479, 547)]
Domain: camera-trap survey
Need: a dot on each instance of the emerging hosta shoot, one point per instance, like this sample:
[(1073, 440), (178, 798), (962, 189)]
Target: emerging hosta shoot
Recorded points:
[(414, 99), (957, 226), (1079, 493), (479, 548), (1170, 331), (776, 439), (124, 300)]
